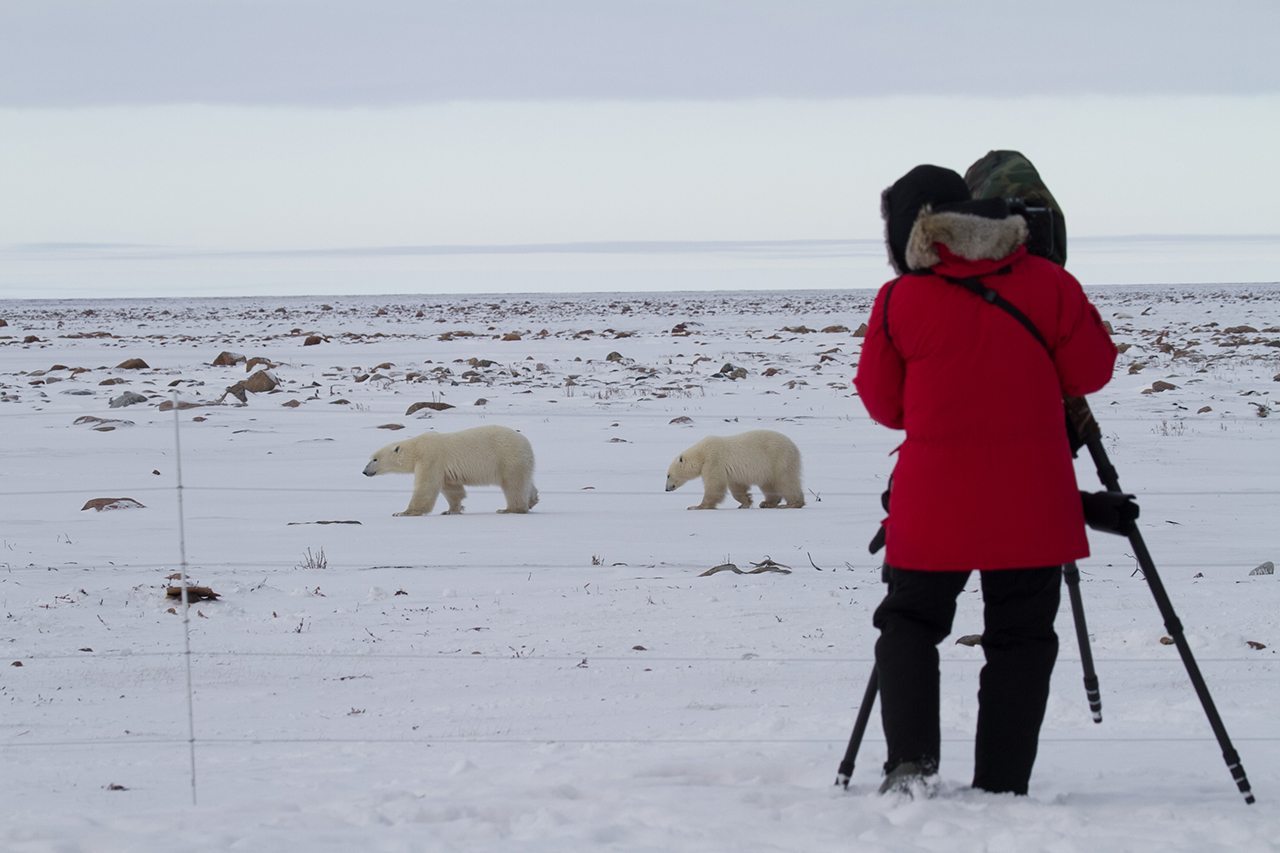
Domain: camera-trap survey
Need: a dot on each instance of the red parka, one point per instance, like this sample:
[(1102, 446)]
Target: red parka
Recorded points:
[(984, 479)]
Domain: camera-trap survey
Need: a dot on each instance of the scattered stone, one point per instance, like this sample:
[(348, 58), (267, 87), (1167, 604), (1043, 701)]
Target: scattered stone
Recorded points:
[(729, 371), (257, 361), (261, 382), (1158, 386), (683, 419), (480, 401), (115, 380), (133, 364), (227, 359), (194, 593), (434, 406), (512, 336), (312, 340), (861, 331), (31, 339), (1254, 644), (1267, 568), (969, 640), (391, 426), (170, 405), (835, 330), (1166, 641), (101, 424), (1203, 409), (128, 398), (1240, 330), (613, 356), (100, 504), (291, 404)]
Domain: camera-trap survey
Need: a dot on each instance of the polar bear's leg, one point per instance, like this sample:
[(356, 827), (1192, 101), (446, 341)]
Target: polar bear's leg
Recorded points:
[(518, 496), (794, 494), (741, 494), (713, 489), (771, 496), (454, 494), (533, 496), (426, 488)]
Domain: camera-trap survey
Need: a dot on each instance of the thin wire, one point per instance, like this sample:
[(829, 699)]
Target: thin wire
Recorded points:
[(186, 603)]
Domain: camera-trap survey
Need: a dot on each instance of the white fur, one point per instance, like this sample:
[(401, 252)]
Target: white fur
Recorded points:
[(734, 463), (447, 461)]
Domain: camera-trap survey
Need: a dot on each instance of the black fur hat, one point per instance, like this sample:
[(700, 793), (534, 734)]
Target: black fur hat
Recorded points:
[(900, 204)]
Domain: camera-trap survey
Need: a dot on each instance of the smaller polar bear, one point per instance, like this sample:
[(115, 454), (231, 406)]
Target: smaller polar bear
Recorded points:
[(447, 461), (760, 457)]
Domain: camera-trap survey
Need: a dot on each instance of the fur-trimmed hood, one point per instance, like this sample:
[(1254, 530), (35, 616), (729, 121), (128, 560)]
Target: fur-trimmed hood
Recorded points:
[(968, 235)]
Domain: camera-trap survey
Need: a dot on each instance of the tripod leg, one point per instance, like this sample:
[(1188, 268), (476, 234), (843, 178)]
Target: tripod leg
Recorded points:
[(1174, 627), (859, 729), (1072, 575), (1086, 428)]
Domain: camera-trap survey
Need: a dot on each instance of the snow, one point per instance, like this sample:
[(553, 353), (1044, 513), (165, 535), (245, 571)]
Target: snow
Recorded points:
[(566, 679)]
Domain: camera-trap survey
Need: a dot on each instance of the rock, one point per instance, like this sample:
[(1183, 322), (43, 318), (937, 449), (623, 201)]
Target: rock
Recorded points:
[(511, 336), (170, 405), (101, 504), (1240, 330), (798, 330), (133, 364), (261, 382), (1203, 409), (3, 322), (291, 404), (683, 419), (115, 380), (613, 356), (835, 330), (480, 401), (257, 361), (1160, 385), (1267, 568), (227, 359), (434, 406), (31, 339), (312, 340), (391, 426), (128, 398), (861, 331), (101, 424), (970, 640), (728, 371)]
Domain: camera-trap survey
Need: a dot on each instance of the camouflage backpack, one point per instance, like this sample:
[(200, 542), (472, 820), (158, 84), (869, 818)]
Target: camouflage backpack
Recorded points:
[(1009, 175)]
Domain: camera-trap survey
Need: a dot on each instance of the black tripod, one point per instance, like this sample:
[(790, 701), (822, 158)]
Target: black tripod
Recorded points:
[(1087, 433)]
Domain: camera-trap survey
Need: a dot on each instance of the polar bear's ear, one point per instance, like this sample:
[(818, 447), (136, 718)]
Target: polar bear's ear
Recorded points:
[(681, 459), (397, 450)]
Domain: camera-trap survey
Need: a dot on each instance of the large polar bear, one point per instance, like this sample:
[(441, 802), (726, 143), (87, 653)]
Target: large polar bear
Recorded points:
[(447, 461), (760, 457)]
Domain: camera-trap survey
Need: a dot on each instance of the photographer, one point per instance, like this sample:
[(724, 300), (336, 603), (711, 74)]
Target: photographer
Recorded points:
[(984, 479)]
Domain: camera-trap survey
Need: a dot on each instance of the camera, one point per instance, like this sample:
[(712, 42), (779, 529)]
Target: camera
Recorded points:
[(1042, 228), (1041, 238)]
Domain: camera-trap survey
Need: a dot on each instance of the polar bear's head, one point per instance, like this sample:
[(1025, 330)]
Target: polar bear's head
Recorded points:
[(395, 458), (688, 466)]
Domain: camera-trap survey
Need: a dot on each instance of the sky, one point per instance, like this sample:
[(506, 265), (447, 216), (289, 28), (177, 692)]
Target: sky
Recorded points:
[(257, 146)]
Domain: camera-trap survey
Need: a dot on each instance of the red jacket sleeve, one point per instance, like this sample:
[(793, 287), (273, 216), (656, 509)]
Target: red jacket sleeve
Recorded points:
[(881, 370), (1083, 353)]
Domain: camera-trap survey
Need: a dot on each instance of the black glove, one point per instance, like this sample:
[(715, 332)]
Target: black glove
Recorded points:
[(877, 541), (1110, 512)]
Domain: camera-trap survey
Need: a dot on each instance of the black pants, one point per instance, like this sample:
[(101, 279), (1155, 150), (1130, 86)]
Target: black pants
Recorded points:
[(1020, 646)]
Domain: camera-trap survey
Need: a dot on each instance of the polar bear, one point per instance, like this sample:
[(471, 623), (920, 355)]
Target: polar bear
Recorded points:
[(760, 457), (447, 461)]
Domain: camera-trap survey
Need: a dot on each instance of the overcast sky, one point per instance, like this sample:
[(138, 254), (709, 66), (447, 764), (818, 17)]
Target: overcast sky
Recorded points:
[(189, 127)]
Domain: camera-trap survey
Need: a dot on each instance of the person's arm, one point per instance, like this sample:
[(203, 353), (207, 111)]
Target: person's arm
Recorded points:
[(881, 370), (1083, 353)]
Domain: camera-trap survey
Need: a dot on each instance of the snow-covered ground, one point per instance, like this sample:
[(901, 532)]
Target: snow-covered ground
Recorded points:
[(568, 679)]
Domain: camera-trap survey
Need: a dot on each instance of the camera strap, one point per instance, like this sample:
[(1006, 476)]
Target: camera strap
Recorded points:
[(975, 285)]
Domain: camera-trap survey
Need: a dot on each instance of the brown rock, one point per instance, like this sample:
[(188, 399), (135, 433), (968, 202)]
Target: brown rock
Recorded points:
[(115, 380), (133, 364), (100, 504), (861, 331), (511, 336), (1203, 409), (835, 330), (1161, 385), (261, 382), (391, 426), (227, 359), (312, 340), (170, 405), (257, 361), (292, 404), (438, 407)]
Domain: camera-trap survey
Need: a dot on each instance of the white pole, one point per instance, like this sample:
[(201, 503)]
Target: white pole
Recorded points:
[(186, 604)]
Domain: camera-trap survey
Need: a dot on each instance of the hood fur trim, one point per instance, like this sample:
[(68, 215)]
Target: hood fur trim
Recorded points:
[(974, 238)]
